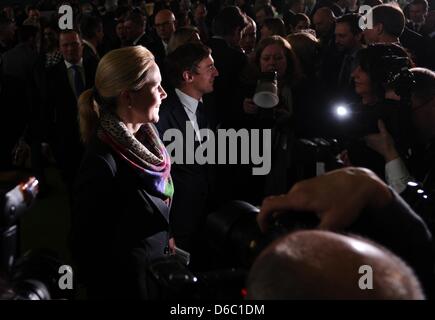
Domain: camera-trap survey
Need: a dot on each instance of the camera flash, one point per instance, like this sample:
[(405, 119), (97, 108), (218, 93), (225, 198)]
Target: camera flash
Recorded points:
[(342, 112)]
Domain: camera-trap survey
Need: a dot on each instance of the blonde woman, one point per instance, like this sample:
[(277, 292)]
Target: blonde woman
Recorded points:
[(123, 190)]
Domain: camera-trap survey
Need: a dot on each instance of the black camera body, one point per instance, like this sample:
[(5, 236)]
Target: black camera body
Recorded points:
[(234, 241), (397, 75), (33, 275)]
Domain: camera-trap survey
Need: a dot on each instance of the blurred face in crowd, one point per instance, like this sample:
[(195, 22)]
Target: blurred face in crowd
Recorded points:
[(165, 24), (120, 31), (132, 30), (34, 14), (260, 16), (200, 11), (371, 35), (8, 33), (249, 38), (302, 25), (100, 34), (145, 102), (323, 22), (265, 32), (299, 7), (423, 114), (344, 38), (417, 13), (50, 37), (362, 83), (202, 80), (71, 47), (273, 58)]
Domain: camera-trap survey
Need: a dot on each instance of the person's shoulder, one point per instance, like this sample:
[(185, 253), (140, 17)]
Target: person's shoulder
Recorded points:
[(99, 158), (56, 69)]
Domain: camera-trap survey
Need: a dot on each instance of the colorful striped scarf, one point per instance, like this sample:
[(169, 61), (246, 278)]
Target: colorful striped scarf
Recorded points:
[(144, 152)]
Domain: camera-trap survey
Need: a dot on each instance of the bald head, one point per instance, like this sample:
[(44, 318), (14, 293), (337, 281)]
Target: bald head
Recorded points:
[(324, 265), (164, 22), (323, 21)]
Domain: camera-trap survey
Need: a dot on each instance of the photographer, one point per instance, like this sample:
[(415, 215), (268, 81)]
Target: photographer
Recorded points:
[(382, 81), (420, 166), (289, 269), (355, 200), (274, 54)]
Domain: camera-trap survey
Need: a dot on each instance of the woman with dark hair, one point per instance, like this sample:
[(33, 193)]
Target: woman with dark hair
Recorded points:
[(381, 83), (371, 74)]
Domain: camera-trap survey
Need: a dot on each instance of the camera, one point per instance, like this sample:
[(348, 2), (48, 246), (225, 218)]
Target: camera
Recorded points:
[(34, 275), (234, 241), (313, 157), (266, 92)]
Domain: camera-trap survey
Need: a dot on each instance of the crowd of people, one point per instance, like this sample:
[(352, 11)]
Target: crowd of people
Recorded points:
[(97, 100)]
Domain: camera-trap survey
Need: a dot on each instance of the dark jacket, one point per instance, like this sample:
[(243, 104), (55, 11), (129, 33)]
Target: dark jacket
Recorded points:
[(60, 114), (158, 50), (117, 227), (227, 86), (193, 183)]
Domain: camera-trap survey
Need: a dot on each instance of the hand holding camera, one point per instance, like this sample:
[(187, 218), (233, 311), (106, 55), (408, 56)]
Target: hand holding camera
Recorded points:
[(337, 197), (382, 143)]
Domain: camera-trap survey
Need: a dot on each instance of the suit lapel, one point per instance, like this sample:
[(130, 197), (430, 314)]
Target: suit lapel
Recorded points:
[(179, 113), (63, 77), (159, 204)]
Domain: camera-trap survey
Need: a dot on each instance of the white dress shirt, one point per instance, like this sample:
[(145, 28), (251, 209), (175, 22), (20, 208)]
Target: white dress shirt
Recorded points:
[(397, 175), (190, 104)]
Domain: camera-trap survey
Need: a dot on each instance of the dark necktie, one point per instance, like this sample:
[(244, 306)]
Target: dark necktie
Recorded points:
[(345, 72), (200, 116), (79, 86)]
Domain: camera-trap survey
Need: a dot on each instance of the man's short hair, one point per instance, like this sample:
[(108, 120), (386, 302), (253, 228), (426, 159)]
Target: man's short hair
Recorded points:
[(424, 3), (228, 20), (424, 89), (391, 17), (302, 265), (185, 58), (67, 31), (136, 17), (268, 10), (352, 20), (89, 26)]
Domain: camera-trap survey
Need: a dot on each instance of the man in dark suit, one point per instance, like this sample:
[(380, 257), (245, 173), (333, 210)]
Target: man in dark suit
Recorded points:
[(66, 81), (230, 61), (192, 71), (7, 34), (91, 31), (134, 26), (389, 27), (164, 23), (417, 14)]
